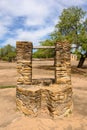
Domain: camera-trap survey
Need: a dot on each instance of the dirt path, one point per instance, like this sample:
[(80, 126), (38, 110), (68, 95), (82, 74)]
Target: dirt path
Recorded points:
[(11, 119)]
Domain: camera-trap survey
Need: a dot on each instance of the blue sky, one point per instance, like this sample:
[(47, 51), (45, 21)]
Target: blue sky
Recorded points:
[(31, 20)]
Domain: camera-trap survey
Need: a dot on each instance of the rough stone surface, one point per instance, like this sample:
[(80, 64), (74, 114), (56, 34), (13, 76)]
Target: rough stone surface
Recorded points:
[(59, 101), (62, 63), (28, 99), (24, 62), (33, 96)]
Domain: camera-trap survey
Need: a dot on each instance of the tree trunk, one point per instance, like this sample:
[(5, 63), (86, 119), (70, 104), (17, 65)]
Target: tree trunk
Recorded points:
[(82, 59)]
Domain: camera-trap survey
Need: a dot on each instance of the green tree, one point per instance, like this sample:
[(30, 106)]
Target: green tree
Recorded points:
[(45, 53), (72, 27), (1, 52), (83, 44), (8, 53), (69, 25)]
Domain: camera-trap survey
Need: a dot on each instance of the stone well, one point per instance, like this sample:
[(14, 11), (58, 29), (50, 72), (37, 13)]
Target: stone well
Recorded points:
[(54, 96)]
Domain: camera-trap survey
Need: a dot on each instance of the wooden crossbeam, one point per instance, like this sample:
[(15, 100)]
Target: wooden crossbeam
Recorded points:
[(43, 47)]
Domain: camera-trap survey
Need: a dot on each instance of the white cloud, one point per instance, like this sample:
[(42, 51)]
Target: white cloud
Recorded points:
[(4, 23), (73, 2), (40, 13), (3, 30), (34, 21), (34, 36), (22, 7)]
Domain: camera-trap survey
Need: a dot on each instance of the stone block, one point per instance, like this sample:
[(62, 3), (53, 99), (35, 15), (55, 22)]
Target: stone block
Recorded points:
[(28, 99), (59, 101)]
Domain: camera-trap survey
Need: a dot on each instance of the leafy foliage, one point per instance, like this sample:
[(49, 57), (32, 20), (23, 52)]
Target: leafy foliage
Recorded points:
[(72, 26), (45, 53), (8, 53)]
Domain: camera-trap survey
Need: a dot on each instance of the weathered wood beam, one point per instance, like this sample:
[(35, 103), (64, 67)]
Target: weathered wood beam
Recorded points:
[(43, 47)]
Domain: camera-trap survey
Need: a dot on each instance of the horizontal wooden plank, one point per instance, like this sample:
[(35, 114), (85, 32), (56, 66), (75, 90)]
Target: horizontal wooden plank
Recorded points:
[(43, 59), (43, 47)]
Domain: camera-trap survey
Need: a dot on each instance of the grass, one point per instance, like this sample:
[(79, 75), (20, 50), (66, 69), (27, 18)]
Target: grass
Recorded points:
[(3, 87)]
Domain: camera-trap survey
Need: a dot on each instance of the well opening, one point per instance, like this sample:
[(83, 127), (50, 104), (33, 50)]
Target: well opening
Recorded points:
[(43, 69)]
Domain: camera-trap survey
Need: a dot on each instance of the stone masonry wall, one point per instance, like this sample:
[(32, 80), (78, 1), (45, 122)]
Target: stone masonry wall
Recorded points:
[(60, 95), (24, 63), (55, 98), (62, 63)]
